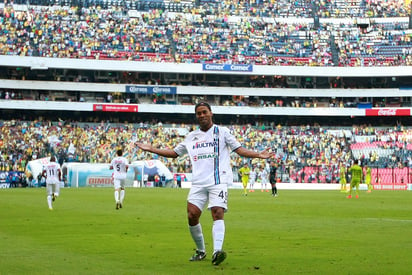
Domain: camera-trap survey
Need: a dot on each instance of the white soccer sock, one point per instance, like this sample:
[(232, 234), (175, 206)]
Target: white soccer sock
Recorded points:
[(218, 232), (121, 196), (197, 236), (116, 196), (49, 201)]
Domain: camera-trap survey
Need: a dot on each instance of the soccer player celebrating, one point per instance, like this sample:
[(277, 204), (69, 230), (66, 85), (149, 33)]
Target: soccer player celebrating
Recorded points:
[(52, 173), (120, 165), (209, 150)]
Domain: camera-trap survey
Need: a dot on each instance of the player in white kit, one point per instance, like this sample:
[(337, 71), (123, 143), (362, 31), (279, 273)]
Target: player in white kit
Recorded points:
[(252, 178), (263, 175), (120, 165), (52, 173), (209, 150)]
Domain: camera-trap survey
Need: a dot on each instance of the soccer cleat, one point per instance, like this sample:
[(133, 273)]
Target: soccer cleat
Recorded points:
[(349, 197), (53, 197), (117, 205), (121, 205), (198, 256), (357, 196), (218, 257)]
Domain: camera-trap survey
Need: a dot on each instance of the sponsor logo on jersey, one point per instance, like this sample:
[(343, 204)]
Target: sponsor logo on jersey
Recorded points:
[(204, 156), (203, 144)]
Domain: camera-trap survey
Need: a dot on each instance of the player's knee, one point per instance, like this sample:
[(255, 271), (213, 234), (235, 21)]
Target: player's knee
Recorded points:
[(217, 213), (193, 213), (192, 218)]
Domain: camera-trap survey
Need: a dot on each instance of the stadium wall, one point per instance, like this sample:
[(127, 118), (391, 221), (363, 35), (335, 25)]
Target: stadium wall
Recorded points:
[(201, 90), (188, 109), (99, 174), (317, 186)]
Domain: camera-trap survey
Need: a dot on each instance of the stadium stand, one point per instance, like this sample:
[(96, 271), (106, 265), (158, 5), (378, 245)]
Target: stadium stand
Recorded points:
[(83, 30)]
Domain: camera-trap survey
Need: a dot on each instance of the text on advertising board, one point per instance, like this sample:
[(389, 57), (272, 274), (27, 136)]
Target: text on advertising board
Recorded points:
[(387, 112), (129, 108), (227, 67), (149, 90)]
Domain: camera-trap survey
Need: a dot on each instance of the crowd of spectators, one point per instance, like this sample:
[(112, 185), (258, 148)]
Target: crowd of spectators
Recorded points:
[(242, 32), (279, 8), (294, 147)]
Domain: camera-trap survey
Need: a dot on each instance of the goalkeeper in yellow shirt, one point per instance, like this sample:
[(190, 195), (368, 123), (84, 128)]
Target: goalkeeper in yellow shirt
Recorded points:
[(244, 174)]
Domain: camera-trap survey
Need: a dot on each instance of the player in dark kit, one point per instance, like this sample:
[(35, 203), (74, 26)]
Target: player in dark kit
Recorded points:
[(272, 178)]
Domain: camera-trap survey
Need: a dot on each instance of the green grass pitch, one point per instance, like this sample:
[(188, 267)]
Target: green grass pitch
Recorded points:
[(299, 232)]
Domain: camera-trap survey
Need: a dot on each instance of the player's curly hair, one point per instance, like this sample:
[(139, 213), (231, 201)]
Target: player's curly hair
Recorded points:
[(203, 103)]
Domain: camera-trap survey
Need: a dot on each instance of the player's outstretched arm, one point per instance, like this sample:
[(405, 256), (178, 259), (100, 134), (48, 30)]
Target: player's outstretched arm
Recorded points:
[(265, 154), (168, 153)]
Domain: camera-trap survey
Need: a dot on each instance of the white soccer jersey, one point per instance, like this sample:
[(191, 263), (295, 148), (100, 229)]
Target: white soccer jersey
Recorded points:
[(263, 174), (252, 176), (209, 154), (52, 172), (119, 165)]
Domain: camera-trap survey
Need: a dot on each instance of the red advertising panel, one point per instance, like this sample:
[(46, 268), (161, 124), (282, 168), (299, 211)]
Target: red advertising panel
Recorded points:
[(130, 108), (99, 181), (387, 112)]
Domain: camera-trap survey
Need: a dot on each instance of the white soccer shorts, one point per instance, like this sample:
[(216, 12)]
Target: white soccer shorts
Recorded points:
[(53, 188), (119, 183), (216, 195)]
